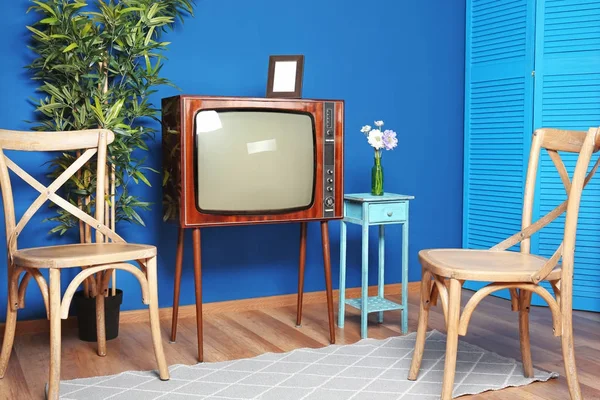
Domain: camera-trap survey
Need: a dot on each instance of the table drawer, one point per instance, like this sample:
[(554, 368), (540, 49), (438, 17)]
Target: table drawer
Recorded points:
[(388, 212)]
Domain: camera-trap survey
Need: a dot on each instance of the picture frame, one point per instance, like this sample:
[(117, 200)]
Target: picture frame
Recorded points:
[(285, 76)]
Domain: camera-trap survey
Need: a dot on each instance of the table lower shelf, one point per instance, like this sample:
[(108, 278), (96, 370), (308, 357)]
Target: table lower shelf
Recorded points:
[(375, 304)]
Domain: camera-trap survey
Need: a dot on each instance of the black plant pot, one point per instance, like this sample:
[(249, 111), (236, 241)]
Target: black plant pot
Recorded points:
[(85, 309)]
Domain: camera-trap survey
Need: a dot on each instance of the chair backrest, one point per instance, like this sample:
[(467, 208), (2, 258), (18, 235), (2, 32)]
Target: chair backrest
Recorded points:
[(91, 142), (555, 140)]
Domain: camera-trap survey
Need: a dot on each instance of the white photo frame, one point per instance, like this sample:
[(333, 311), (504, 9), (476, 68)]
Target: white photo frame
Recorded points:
[(285, 76)]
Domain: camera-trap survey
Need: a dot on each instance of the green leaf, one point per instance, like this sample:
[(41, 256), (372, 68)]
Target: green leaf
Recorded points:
[(161, 20), (38, 33), (97, 107), (70, 47), (137, 217), (143, 178), (114, 111), (131, 9), (49, 21), (45, 7), (78, 5), (149, 36), (53, 90), (148, 64), (57, 228), (152, 10), (86, 29), (50, 106)]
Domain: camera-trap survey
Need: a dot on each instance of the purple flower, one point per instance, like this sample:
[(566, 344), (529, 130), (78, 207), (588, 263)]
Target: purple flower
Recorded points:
[(389, 139)]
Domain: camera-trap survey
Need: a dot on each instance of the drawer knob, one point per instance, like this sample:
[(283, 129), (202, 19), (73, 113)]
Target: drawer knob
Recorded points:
[(390, 213)]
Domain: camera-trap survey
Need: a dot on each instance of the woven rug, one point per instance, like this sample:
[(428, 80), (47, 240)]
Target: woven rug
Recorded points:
[(367, 370)]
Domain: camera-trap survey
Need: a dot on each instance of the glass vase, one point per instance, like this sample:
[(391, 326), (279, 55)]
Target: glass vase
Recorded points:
[(377, 176)]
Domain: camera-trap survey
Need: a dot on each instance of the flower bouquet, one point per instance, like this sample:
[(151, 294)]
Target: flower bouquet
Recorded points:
[(379, 140)]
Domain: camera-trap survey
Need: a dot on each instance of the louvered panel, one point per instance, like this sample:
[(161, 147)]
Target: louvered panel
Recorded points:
[(552, 193), (571, 27), (481, 104), (495, 148), (567, 96), (497, 93), (497, 31)]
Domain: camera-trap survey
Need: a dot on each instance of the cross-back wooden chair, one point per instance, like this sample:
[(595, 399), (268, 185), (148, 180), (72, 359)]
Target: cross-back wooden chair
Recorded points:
[(445, 270), (100, 258)]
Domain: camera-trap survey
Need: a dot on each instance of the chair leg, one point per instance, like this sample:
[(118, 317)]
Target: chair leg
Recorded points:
[(425, 303), (9, 338), (100, 323), (524, 307), (568, 349), (10, 325), (452, 339), (163, 369), (55, 335)]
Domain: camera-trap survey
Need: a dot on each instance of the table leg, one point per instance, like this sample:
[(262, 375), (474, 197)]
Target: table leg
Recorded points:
[(364, 315), (380, 290), (342, 296), (302, 264), (405, 278), (177, 284), (198, 287)]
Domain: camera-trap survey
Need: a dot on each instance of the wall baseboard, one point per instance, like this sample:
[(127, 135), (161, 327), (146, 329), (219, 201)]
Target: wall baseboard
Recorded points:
[(189, 311)]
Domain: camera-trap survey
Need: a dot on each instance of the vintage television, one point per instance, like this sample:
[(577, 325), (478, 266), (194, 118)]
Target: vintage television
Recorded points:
[(241, 160)]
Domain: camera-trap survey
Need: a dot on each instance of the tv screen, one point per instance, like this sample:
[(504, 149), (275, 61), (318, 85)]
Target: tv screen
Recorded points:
[(254, 161)]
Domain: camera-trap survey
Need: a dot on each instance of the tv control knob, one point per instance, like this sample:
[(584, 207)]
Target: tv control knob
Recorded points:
[(329, 201), (329, 172), (329, 180), (329, 189)]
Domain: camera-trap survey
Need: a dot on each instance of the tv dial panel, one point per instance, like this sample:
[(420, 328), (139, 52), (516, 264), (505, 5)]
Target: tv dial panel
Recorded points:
[(329, 160)]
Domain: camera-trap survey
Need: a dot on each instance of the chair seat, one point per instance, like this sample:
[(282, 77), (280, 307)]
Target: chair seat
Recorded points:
[(484, 265), (76, 255)]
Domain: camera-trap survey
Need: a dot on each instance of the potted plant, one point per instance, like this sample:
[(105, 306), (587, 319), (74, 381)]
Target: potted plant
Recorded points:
[(97, 64)]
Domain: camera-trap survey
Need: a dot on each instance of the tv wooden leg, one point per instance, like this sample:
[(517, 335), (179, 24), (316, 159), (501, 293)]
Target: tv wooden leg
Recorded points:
[(198, 286), (327, 264), (177, 284), (302, 263)]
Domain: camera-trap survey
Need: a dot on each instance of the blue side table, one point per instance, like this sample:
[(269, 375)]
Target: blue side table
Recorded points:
[(365, 209)]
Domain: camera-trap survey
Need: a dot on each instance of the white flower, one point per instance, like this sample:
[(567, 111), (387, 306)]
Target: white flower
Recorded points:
[(365, 129), (375, 139), (379, 123)]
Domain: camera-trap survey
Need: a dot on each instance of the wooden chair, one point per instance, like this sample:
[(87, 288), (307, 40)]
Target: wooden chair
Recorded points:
[(445, 270), (98, 259)]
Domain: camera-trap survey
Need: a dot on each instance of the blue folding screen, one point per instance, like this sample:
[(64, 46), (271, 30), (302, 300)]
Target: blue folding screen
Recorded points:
[(498, 100), (530, 64), (567, 95)]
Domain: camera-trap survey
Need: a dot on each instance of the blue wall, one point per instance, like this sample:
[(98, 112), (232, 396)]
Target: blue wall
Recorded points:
[(400, 61)]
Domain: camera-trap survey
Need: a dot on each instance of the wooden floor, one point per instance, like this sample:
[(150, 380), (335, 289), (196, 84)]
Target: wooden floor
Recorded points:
[(249, 333)]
